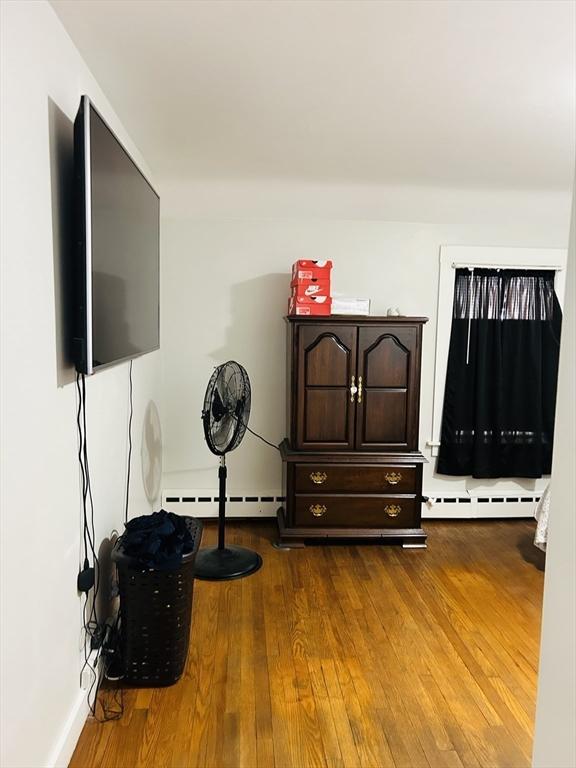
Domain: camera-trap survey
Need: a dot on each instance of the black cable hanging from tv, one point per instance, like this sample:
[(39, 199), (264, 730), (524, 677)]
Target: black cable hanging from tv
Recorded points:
[(99, 637)]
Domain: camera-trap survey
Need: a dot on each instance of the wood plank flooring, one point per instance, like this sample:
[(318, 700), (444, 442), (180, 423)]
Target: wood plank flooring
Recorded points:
[(350, 656)]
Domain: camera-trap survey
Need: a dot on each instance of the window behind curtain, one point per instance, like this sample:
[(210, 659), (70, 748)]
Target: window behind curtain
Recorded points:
[(500, 396)]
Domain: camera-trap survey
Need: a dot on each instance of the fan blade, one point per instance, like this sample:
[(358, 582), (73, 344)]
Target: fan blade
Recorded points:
[(221, 434), (218, 407)]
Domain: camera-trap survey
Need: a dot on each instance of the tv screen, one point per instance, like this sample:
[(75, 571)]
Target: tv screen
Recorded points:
[(116, 286)]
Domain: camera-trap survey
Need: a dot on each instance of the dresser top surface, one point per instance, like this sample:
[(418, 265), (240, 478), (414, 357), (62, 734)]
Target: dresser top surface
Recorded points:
[(355, 319), (350, 457)]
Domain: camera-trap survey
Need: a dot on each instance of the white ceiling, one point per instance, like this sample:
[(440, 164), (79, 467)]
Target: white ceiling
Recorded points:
[(432, 92)]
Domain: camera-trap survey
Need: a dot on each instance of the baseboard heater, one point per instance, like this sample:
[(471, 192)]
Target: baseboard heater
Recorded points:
[(204, 503), (495, 505)]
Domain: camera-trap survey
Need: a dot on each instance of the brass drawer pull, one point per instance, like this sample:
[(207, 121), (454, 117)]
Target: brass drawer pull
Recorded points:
[(317, 509), (318, 477), (392, 510), (393, 478)]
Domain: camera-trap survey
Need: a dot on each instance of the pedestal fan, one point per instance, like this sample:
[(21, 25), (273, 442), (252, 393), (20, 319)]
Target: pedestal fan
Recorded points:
[(225, 417)]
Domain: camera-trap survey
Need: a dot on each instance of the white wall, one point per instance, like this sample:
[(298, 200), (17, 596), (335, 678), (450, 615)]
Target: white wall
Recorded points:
[(227, 251), (555, 736), (42, 706)]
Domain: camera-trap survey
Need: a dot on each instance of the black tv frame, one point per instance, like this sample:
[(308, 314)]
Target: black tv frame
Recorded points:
[(81, 299)]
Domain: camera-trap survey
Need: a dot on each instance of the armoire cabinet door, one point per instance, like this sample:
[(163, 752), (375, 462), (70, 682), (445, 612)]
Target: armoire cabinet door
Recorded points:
[(387, 371), (326, 364)]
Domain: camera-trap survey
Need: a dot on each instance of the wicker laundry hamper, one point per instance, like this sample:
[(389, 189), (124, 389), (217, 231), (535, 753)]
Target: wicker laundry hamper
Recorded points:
[(156, 609)]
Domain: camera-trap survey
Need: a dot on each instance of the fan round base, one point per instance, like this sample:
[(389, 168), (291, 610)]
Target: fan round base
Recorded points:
[(213, 564)]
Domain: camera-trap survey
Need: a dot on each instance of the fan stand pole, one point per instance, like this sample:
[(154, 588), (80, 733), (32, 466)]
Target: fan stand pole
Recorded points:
[(222, 474), (225, 562)]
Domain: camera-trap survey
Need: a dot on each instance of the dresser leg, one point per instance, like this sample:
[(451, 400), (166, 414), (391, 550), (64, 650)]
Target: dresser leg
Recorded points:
[(290, 544), (287, 540)]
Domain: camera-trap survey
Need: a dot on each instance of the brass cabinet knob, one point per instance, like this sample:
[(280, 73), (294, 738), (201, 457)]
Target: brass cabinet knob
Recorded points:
[(392, 510), (318, 477), (393, 478), (353, 389), (317, 509)]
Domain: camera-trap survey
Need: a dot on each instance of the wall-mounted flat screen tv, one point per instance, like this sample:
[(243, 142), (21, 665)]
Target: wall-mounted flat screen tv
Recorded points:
[(117, 231)]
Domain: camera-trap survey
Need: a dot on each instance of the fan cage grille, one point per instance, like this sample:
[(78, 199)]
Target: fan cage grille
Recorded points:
[(226, 408)]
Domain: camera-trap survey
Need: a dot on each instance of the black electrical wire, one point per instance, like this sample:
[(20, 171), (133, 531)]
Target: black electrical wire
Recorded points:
[(110, 699), (81, 463), (261, 438), (107, 703), (129, 445), (88, 532), (93, 622), (252, 432), (89, 620), (95, 633)]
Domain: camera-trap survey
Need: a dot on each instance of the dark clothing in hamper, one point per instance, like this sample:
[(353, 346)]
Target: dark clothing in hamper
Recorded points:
[(158, 540)]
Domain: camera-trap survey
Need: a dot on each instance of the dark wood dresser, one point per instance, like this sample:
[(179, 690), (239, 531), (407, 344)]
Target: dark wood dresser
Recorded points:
[(351, 463)]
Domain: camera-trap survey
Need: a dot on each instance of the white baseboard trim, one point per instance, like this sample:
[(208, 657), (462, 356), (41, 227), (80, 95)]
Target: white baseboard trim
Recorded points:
[(204, 503), (64, 748), (456, 506), (485, 514), (493, 506)]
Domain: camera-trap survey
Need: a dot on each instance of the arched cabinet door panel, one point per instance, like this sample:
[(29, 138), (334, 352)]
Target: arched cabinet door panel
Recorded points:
[(388, 362), (325, 366)]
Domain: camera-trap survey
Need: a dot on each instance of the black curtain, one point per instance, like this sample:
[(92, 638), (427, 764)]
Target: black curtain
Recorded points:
[(500, 397)]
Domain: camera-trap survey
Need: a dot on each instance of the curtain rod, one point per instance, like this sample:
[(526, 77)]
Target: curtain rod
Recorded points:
[(556, 267)]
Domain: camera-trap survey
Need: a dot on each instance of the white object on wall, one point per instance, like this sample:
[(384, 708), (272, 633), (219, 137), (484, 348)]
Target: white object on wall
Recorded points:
[(151, 453)]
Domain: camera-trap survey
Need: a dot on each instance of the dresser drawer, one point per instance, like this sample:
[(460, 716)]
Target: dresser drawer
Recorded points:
[(354, 478), (323, 510)]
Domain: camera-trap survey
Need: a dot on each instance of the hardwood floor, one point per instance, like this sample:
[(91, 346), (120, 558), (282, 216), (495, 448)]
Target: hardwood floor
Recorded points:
[(346, 656)]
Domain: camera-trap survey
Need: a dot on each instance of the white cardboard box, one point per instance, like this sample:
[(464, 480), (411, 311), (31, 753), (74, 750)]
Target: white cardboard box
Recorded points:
[(345, 306)]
